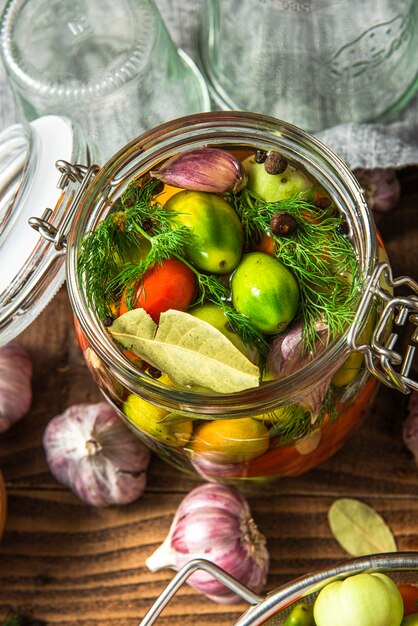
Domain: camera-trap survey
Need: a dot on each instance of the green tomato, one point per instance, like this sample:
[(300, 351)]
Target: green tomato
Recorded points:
[(410, 620), (301, 615), (214, 315), (275, 187), (264, 290), (359, 600), (217, 230)]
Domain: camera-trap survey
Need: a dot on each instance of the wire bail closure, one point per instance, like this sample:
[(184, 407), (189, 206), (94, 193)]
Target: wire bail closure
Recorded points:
[(70, 172), (380, 356)]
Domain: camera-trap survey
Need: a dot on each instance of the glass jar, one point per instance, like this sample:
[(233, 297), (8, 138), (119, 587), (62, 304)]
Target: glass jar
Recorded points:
[(316, 63), (110, 67), (351, 365)]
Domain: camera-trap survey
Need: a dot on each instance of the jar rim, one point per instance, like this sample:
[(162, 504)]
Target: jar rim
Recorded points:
[(220, 127)]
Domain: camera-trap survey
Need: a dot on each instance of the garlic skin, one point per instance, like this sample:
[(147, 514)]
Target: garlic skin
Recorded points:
[(90, 450), (382, 188), (214, 522), (15, 385), (286, 357), (214, 472), (203, 169), (410, 426)]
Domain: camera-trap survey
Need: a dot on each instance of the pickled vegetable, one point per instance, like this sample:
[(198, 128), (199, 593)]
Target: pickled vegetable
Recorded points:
[(265, 291), (151, 419), (230, 440), (216, 228)]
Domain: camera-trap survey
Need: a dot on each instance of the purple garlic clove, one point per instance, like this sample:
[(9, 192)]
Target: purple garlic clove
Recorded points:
[(203, 169), (91, 451), (410, 426), (382, 188), (15, 385), (287, 356)]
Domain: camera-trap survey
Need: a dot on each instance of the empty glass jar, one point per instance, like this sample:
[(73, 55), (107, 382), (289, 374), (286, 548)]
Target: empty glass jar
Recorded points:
[(315, 63), (111, 67)]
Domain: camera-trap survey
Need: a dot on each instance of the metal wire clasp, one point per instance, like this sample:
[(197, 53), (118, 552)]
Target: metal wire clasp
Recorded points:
[(395, 311), (69, 173)]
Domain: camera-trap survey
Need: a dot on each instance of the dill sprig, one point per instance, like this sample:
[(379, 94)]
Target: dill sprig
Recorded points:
[(321, 258), (293, 422), (106, 266), (140, 227), (101, 252)]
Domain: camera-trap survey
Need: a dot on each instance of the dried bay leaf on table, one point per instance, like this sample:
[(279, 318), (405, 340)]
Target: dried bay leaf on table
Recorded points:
[(191, 351), (359, 529)]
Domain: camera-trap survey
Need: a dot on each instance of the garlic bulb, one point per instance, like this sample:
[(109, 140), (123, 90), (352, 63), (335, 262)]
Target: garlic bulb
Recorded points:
[(214, 522), (203, 169), (410, 426), (15, 384), (91, 451), (382, 188), (287, 356)]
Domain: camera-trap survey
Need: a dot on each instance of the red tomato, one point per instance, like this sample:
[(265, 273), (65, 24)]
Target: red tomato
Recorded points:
[(409, 595), (169, 285)]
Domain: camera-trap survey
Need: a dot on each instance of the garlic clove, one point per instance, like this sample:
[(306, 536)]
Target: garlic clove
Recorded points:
[(216, 472), (214, 522), (91, 451), (410, 426), (287, 356), (15, 385), (203, 169), (381, 187)]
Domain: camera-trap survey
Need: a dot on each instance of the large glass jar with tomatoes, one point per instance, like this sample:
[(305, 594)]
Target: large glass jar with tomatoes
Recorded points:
[(232, 297)]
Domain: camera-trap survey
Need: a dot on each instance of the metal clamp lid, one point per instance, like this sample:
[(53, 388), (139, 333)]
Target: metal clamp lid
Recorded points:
[(69, 172), (380, 354)]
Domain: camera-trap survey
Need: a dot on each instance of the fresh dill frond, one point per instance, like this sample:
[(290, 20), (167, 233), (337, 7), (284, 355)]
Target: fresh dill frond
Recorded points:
[(290, 423), (107, 262), (248, 332), (329, 406), (255, 213), (211, 288), (321, 258), (98, 262)]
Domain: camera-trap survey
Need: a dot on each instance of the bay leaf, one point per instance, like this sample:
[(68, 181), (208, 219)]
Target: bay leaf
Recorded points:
[(359, 529), (188, 349)]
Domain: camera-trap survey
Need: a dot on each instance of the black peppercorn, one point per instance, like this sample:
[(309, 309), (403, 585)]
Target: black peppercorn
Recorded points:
[(154, 372), (323, 202), (343, 229), (129, 202), (275, 163), (283, 224), (147, 224), (107, 320), (260, 156), (158, 187)]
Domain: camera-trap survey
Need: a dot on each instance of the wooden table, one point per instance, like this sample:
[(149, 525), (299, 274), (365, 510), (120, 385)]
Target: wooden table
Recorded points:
[(68, 564)]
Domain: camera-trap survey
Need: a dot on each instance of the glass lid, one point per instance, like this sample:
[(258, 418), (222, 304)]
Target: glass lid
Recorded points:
[(31, 269)]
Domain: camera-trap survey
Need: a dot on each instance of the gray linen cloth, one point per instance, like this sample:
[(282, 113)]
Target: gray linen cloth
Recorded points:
[(366, 145)]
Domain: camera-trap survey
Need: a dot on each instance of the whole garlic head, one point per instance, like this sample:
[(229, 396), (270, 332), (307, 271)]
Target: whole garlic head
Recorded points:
[(15, 385), (214, 522), (91, 451)]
